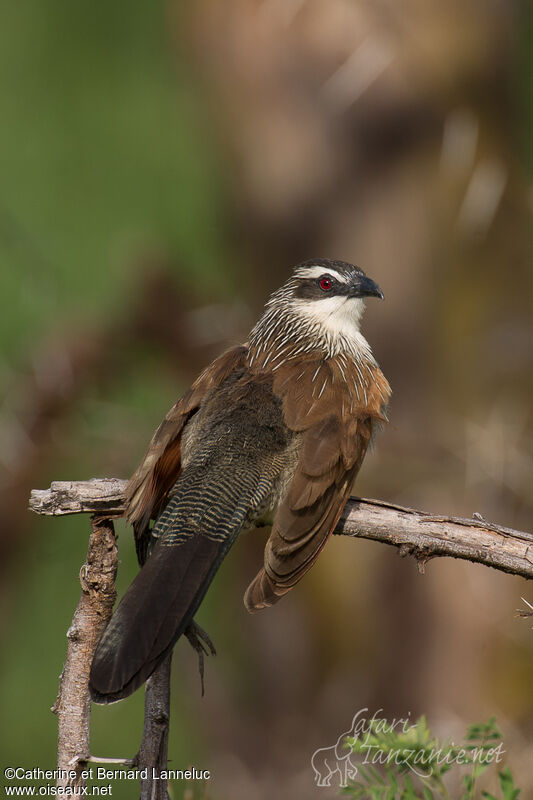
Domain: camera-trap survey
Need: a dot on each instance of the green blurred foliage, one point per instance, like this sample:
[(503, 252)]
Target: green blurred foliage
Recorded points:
[(103, 152)]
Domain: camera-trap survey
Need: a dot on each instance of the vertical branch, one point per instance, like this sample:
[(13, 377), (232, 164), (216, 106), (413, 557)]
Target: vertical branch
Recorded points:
[(73, 704), (153, 753)]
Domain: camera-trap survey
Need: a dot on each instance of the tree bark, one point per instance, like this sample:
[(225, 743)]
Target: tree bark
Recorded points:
[(415, 533), (153, 753), (73, 704)]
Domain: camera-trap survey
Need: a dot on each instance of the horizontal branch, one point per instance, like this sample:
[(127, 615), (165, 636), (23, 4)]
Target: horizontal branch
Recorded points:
[(103, 496), (414, 532), (426, 536)]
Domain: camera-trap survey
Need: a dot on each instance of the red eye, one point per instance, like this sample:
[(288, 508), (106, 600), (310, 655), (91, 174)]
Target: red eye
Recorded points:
[(325, 284)]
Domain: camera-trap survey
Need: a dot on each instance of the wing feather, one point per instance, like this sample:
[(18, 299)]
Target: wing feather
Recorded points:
[(333, 447), (148, 488)]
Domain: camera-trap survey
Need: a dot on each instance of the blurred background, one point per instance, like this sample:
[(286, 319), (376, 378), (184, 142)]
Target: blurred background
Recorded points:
[(163, 165)]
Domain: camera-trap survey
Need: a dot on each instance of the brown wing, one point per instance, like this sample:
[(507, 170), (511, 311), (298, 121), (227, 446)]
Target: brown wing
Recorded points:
[(158, 471), (336, 428)]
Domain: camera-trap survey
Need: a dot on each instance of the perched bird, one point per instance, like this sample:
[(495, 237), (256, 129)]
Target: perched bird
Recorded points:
[(273, 432)]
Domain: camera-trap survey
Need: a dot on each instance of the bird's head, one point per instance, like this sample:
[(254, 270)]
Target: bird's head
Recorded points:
[(336, 282), (321, 303)]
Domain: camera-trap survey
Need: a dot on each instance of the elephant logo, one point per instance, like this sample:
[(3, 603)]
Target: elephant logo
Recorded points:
[(327, 761)]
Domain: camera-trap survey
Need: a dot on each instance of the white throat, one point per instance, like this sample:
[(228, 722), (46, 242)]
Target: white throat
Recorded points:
[(337, 321)]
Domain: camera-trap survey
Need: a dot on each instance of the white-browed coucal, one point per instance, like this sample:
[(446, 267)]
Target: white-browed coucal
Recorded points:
[(272, 432)]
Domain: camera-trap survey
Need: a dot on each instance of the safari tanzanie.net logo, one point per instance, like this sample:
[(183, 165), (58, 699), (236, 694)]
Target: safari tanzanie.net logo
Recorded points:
[(374, 743)]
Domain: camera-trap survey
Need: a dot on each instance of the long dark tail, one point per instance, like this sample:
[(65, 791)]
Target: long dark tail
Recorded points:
[(154, 612)]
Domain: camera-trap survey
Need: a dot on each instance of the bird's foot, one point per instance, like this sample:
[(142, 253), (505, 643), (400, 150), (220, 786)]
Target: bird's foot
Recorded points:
[(202, 644)]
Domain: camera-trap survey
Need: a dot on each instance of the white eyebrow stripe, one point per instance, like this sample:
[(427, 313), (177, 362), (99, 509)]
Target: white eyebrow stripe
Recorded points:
[(317, 272)]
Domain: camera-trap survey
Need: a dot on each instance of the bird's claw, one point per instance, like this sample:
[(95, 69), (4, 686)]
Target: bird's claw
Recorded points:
[(202, 644)]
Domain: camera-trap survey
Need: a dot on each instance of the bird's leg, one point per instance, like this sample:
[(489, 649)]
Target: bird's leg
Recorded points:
[(202, 644)]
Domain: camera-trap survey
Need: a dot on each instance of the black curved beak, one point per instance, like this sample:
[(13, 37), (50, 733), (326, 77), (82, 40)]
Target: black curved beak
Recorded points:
[(366, 287)]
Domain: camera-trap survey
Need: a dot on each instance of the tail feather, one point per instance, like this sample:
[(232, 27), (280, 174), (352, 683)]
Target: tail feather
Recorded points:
[(154, 612), (211, 501)]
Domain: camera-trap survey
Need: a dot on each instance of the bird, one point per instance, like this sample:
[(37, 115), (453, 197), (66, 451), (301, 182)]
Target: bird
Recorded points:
[(271, 433)]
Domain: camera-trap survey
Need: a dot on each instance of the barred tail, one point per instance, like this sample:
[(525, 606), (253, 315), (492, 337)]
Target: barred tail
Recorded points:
[(154, 612)]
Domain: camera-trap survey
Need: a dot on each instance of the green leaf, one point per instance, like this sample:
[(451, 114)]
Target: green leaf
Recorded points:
[(364, 772), (507, 785), (393, 783), (379, 780), (479, 768), (468, 785)]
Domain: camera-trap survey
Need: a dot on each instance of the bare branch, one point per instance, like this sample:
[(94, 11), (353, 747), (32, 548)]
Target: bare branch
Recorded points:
[(153, 753), (425, 536), (414, 532), (73, 704), (97, 579), (104, 496)]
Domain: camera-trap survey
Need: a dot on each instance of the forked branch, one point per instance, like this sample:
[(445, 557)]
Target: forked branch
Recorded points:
[(414, 532)]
